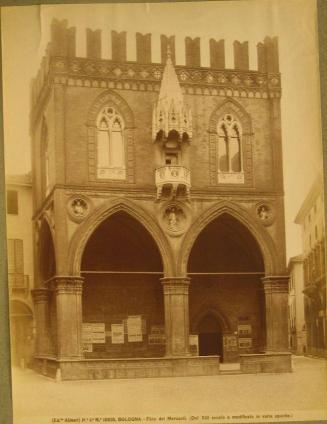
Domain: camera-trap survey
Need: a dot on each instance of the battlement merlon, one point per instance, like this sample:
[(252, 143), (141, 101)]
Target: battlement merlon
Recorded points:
[(61, 60), (63, 43)]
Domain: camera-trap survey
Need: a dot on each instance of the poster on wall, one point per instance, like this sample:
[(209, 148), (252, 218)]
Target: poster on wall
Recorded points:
[(93, 332), (87, 333), (134, 328), (245, 343), (244, 330), (98, 332), (87, 347), (194, 344), (230, 343), (117, 333)]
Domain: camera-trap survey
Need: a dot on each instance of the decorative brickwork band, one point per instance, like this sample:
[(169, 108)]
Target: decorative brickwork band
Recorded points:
[(176, 315), (143, 48), (241, 55), (69, 316), (217, 54), (276, 302), (192, 52), (118, 46), (93, 46)]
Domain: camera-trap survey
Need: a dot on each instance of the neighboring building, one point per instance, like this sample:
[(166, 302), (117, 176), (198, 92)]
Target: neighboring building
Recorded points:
[(297, 332), (20, 266), (311, 217), (159, 211)]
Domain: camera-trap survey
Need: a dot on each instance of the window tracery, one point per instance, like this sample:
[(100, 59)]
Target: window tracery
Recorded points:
[(230, 163), (111, 162)]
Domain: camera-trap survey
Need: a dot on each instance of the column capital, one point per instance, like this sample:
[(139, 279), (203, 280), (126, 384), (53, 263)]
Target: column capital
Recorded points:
[(275, 283), (68, 284), (40, 295), (175, 280), (175, 285)]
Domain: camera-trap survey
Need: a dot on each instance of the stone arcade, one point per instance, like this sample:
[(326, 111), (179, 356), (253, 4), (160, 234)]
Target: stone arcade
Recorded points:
[(159, 215)]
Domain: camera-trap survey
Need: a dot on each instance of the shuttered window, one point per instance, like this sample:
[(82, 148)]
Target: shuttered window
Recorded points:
[(12, 202), (15, 256)]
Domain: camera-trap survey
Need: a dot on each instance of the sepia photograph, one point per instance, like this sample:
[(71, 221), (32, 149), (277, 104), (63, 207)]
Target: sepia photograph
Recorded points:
[(165, 212)]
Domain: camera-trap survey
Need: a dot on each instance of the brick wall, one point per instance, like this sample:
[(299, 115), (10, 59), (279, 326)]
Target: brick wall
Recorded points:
[(111, 299), (141, 103)]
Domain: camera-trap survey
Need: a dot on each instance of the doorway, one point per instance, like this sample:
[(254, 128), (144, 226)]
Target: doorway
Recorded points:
[(210, 336)]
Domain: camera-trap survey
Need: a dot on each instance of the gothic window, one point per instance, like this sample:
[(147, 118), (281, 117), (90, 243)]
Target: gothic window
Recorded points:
[(230, 166), (110, 145)]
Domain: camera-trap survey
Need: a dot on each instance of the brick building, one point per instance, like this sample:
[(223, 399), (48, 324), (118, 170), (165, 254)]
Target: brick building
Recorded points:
[(311, 217), (297, 331), (159, 213), (19, 208)]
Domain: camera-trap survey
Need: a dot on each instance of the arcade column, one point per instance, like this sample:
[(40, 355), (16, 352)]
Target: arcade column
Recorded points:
[(276, 302), (176, 293), (69, 316), (41, 307)]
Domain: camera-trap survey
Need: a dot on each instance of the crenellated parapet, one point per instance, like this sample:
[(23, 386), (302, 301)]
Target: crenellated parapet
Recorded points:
[(61, 65)]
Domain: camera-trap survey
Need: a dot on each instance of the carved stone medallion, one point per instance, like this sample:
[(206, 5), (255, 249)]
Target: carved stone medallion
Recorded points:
[(175, 219), (78, 208), (265, 213)]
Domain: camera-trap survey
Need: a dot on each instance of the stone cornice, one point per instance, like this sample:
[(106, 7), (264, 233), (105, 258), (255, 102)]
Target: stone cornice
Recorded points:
[(100, 190)]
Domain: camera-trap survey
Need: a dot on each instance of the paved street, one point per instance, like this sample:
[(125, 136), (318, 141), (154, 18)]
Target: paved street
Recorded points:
[(303, 390)]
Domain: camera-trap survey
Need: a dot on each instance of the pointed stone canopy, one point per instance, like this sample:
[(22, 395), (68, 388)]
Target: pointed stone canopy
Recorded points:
[(170, 112)]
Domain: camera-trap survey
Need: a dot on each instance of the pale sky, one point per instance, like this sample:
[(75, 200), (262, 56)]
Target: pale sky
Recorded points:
[(25, 33)]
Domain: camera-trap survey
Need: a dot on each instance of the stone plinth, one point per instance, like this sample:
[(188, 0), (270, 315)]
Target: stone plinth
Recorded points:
[(99, 369), (266, 362)]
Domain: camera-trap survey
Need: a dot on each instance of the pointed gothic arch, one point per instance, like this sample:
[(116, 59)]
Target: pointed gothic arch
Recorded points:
[(271, 259), (108, 209), (207, 310)]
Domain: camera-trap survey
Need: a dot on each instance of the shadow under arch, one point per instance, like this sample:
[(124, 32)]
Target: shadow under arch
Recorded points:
[(46, 250), (88, 227), (258, 232)]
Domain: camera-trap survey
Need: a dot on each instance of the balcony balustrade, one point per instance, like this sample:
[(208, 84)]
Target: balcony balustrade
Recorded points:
[(172, 177)]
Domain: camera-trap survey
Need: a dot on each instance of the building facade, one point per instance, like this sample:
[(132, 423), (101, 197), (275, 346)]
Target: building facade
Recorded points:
[(20, 267), (159, 212), (311, 217), (297, 327)]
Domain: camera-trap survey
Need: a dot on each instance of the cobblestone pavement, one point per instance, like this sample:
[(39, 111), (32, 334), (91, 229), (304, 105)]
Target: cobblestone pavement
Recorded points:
[(303, 390)]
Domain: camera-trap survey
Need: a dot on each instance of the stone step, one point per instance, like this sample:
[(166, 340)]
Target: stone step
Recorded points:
[(225, 372)]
